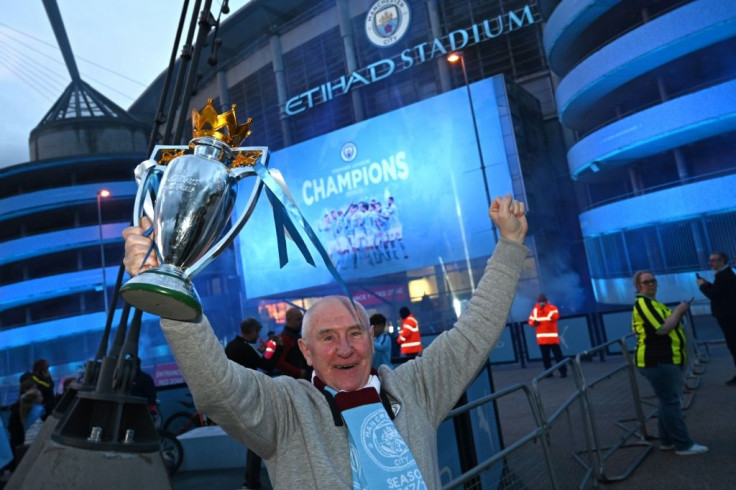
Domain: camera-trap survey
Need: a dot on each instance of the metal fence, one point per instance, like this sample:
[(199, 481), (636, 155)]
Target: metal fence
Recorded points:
[(588, 428), (521, 462)]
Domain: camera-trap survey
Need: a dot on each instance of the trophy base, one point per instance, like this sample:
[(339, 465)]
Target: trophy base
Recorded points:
[(163, 291)]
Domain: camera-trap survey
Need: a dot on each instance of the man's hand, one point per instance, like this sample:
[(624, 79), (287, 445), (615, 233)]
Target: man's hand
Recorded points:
[(700, 281), (136, 248), (509, 216)]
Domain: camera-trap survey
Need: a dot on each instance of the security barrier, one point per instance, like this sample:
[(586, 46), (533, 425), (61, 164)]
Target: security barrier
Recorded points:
[(695, 358), (615, 413), (521, 464), (567, 433), (569, 439)]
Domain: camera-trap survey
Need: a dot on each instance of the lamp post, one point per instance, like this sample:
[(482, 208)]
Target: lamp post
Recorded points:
[(102, 193), (454, 57)]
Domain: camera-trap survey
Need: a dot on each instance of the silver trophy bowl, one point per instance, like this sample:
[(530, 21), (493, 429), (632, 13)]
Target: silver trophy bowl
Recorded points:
[(193, 206)]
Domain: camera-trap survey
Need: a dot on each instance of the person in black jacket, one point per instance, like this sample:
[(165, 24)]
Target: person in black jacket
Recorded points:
[(244, 349), (722, 295), (292, 362), (45, 384)]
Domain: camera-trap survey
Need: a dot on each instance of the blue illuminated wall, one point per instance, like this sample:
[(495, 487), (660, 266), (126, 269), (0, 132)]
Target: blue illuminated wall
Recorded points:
[(424, 156)]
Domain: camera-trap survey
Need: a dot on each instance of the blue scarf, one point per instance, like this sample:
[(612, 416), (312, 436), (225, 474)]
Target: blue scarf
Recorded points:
[(379, 457)]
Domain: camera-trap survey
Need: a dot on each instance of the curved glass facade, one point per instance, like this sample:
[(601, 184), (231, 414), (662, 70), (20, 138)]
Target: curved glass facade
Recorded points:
[(652, 118)]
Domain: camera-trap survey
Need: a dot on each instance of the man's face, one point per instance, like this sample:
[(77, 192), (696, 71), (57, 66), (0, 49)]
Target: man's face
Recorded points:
[(294, 319), (716, 262), (338, 348)]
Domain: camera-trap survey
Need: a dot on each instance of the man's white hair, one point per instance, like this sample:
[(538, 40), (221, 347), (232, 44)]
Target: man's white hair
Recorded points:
[(359, 313)]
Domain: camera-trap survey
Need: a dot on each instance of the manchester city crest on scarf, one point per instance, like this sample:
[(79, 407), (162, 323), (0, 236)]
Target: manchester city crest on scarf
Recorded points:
[(383, 443)]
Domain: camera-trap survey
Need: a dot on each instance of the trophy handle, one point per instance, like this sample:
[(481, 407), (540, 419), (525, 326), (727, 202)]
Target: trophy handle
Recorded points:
[(238, 174), (141, 195)]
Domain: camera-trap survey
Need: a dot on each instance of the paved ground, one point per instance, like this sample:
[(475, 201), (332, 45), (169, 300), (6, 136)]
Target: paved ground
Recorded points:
[(710, 419)]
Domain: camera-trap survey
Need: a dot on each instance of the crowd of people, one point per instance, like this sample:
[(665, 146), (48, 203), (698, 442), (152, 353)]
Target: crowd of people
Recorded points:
[(37, 398), (349, 354), (302, 400)]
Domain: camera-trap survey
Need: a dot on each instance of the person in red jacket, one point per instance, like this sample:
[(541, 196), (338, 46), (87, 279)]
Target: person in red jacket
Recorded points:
[(544, 319), (409, 337)]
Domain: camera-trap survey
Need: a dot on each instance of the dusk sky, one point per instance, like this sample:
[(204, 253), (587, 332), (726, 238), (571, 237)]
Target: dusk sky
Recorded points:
[(119, 47)]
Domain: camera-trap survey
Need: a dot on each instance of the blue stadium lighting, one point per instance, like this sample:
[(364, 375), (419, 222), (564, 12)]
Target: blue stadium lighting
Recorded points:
[(675, 123), (667, 205), (655, 44)]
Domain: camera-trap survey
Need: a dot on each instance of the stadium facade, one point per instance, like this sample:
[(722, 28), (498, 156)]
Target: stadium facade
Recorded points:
[(612, 120), (306, 70)]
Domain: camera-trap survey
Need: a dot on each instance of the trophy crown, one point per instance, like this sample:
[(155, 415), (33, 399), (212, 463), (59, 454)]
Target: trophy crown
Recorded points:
[(209, 123)]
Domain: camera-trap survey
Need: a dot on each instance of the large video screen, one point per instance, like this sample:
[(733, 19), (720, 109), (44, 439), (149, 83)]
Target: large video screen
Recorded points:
[(403, 190)]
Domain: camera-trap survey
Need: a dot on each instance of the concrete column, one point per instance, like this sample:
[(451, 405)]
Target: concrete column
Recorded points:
[(278, 70), (224, 91), (348, 46), (436, 30), (568, 135), (681, 164), (654, 252), (634, 179), (701, 250)]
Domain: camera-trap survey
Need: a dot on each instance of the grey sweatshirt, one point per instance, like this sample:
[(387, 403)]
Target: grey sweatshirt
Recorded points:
[(289, 423)]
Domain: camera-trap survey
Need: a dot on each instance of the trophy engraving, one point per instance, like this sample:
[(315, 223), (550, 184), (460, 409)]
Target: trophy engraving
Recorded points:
[(192, 208)]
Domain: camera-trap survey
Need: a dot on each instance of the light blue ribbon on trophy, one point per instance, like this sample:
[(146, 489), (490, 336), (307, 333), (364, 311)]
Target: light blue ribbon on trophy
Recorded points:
[(153, 184), (286, 215), (147, 232)]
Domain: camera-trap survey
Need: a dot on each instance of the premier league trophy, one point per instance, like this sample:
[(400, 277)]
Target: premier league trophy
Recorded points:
[(192, 207)]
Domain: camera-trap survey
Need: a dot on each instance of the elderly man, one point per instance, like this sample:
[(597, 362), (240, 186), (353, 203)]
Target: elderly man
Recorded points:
[(350, 427)]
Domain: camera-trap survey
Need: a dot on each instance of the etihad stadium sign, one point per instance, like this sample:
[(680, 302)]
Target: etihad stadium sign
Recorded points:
[(478, 33)]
